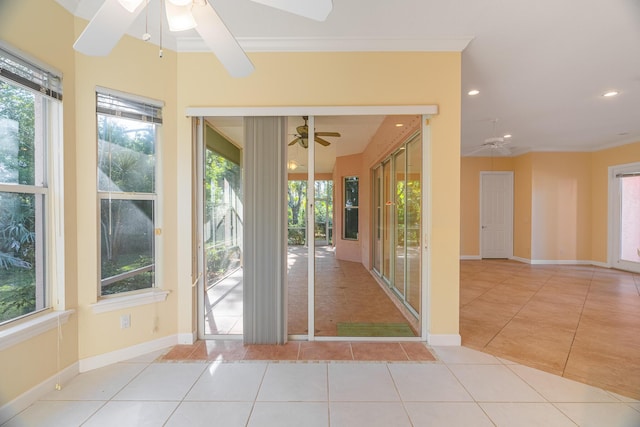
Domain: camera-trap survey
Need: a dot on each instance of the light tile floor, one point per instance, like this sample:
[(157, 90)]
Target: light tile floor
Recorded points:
[(463, 387)]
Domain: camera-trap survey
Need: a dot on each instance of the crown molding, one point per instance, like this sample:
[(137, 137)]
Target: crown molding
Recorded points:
[(333, 44)]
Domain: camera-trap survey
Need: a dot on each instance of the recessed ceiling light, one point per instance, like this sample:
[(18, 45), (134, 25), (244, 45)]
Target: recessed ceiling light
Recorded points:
[(610, 93), (473, 92), (399, 125), (507, 135)]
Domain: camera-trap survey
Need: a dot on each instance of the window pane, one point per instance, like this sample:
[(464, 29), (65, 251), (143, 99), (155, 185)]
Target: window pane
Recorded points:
[(297, 202), (127, 245), (324, 212), (414, 217), (351, 207), (351, 223), (126, 155), (351, 191), (399, 213), (21, 273), (18, 135), (630, 219), (223, 220)]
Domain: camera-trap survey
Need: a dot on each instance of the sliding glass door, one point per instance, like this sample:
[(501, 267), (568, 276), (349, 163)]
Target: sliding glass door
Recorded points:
[(353, 231), (397, 196)]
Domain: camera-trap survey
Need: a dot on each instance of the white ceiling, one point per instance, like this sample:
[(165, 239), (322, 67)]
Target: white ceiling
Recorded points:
[(541, 66), (355, 134)]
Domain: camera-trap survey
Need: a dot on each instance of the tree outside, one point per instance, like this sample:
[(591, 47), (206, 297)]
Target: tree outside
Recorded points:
[(126, 184), (17, 210), (223, 216)]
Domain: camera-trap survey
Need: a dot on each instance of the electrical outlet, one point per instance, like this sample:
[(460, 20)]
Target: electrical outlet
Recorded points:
[(125, 321)]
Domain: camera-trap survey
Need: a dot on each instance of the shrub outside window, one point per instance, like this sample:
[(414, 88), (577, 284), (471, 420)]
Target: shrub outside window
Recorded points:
[(127, 193)]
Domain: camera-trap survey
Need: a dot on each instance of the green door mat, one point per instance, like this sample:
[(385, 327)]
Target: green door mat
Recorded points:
[(375, 330)]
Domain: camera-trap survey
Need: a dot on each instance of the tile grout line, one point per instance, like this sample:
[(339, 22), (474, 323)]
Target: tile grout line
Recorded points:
[(255, 398), (575, 332), (187, 392), (395, 386), (110, 399), (516, 313)]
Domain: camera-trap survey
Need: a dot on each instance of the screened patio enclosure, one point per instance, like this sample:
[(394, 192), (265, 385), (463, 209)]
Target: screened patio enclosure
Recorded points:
[(277, 261)]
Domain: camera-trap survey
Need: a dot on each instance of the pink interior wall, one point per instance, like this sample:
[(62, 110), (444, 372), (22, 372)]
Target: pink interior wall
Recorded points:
[(348, 250)]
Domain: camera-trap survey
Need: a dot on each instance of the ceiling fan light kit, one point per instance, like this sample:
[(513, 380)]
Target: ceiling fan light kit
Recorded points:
[(114, 17), (179, 16)]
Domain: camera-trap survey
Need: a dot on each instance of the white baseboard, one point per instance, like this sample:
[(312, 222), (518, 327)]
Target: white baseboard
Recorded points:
[(470, 257), (188, 338), (560, 262), (20, 403), (444, 339), (126, 353)]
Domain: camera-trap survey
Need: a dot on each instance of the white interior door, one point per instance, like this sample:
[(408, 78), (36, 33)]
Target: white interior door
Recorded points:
[(496, 214)]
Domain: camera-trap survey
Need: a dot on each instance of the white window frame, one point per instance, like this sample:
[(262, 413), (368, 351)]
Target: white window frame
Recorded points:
[(155, 293), (47, 82)]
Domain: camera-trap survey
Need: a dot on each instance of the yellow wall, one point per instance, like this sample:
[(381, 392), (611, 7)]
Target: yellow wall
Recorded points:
[(132, 67), (560, 204), (522, 189), (44, 30), (349, 78)]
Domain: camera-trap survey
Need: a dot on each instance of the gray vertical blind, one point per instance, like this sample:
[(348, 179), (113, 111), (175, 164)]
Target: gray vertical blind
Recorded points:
[(265, 241)]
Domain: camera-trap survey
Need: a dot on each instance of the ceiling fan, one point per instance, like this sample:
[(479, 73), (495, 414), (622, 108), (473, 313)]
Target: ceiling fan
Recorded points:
[(115, 17), (495, 144), (302, 137)]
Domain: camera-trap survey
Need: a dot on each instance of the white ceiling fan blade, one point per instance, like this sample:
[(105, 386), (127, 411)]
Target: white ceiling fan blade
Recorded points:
[(504, 151), (476, 150), (317, 10), (219, 39), (106, 27)]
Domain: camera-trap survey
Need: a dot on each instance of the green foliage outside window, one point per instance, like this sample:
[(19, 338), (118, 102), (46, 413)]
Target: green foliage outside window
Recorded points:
[(126, 164), (17, 210)]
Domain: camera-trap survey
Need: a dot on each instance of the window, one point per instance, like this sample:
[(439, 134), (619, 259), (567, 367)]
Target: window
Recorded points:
[(127, 191), (29, 175), (350, 208), (223, 206)]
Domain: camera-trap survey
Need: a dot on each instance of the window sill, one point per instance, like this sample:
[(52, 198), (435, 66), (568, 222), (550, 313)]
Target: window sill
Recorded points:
[(126, 301), (31, 328)]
